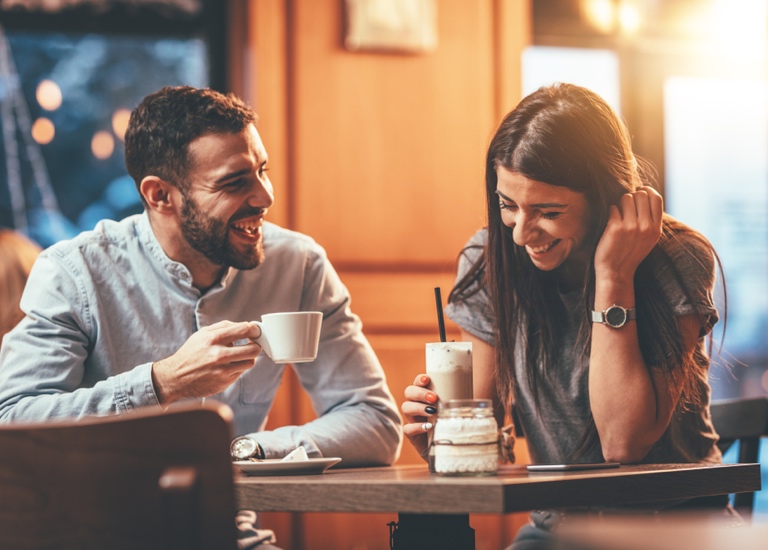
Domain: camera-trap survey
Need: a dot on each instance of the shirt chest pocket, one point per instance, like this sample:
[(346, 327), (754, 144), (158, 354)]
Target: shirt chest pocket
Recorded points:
[(260, 383)]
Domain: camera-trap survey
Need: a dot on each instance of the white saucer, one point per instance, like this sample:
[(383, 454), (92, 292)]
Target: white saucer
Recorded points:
[(276, 466)]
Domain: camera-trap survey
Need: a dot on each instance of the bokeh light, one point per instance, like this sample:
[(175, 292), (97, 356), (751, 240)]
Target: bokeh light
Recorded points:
[(600, 14), (120, 122), (48, 95), (102, 145), (630, 19), (43, 131)]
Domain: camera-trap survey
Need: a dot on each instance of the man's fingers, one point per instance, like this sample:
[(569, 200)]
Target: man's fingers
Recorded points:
[(227, 332)]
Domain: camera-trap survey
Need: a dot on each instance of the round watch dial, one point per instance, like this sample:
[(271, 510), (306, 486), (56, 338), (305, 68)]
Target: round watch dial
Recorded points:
[(616, 316), (242, 448)]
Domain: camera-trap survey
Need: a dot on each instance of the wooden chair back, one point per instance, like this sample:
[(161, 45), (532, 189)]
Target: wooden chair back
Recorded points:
[(745, 421), (145, 480)]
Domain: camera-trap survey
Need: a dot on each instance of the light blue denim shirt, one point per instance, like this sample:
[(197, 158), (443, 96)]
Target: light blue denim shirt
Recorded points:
[(102, 307)]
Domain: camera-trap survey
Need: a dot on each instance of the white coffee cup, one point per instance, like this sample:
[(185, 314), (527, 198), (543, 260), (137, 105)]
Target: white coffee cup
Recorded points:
[(290, 337)]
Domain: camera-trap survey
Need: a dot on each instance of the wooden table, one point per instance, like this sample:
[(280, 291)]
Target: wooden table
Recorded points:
[(441, 505)]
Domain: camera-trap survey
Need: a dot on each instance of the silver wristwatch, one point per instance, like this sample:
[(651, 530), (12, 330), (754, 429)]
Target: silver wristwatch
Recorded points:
[(244, 447), (615, 316)]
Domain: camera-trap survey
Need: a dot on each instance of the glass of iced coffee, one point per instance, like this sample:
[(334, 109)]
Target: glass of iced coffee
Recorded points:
[(449, 367)]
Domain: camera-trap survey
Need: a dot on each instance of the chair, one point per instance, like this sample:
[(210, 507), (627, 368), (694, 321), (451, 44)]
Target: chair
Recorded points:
[(745, 421), (144, 480)]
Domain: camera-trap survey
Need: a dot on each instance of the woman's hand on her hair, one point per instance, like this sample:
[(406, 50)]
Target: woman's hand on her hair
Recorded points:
[(420, 403), (633, 229)]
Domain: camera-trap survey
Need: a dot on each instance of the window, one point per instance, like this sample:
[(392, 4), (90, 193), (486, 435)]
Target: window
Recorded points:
[(716, 157), (596, 69), (68, 81)]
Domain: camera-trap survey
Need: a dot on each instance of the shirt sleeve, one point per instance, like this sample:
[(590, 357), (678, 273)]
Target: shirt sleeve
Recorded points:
[(357, 417), (43, 359), (472, 310), (689, 282)]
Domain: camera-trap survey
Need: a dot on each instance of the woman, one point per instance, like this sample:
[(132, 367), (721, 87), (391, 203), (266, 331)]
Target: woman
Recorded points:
[(588, 307), (17, 254)]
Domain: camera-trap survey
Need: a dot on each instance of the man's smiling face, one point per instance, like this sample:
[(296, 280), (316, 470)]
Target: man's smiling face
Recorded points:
[(226, 198)]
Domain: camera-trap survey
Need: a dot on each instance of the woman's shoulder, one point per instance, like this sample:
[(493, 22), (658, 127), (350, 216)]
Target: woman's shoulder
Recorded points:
[(686, 247), (684, 260), (474, 247), (479, 238)]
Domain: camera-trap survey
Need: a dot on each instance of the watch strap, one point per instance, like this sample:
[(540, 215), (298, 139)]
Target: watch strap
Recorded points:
[(259, 452)]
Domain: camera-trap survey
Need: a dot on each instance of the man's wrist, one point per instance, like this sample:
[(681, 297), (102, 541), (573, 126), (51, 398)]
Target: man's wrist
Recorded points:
[(160, 392), (246, 448)]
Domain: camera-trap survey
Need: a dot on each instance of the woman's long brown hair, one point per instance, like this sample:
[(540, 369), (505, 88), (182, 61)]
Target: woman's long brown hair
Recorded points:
[(568, 136)]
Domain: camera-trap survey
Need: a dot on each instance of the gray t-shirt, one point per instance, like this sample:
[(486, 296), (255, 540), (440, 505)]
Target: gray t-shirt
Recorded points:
[(555, 433)]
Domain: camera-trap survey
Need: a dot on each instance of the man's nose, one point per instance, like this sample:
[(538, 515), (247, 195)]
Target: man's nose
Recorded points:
[(262, 194)]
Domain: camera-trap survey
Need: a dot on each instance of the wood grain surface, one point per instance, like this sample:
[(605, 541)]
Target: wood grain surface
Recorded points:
[(412, 489)]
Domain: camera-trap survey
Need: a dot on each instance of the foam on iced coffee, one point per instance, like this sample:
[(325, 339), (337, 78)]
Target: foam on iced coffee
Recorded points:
[(449, 367)]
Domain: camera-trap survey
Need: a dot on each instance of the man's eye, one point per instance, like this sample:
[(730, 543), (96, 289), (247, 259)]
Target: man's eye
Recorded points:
[(235, 184), (263, 169)]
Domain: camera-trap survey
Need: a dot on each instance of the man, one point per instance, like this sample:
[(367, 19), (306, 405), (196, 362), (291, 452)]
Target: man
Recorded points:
[(145, 311)]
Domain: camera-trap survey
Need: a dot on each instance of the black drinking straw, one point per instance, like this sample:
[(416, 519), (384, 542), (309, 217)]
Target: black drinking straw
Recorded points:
[(440, 319)]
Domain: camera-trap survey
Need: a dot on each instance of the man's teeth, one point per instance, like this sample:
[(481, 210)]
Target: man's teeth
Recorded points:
[(543, 248), (247, 228)]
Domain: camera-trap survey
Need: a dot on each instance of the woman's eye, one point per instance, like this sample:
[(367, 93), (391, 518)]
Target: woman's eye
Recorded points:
[(550, 215), (505, 206)]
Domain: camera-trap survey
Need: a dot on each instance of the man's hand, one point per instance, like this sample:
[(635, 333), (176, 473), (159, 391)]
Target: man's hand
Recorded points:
[(208, 363)]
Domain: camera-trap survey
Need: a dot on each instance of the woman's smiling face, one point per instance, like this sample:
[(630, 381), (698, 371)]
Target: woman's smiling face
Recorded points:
[(549, 221)]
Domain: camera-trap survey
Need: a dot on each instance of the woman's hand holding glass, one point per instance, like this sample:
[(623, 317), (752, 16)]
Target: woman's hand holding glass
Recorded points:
[(420, 403)]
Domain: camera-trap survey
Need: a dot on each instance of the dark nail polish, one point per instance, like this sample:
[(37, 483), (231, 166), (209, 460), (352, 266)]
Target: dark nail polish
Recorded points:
[(430, 409)]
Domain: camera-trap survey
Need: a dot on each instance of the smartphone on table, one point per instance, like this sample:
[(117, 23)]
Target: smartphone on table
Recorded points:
[(570, 467)]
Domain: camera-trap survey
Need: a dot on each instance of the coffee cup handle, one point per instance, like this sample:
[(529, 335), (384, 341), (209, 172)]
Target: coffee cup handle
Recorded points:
[(262, 339)]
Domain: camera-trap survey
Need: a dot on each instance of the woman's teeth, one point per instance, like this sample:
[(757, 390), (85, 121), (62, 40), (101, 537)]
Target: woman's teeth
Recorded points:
[(543, 248)]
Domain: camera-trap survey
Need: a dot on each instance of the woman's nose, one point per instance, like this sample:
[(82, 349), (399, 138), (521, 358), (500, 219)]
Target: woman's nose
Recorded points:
[(521, 232)]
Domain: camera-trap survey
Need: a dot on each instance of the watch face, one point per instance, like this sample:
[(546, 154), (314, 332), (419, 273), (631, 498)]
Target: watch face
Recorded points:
[(242, 448), (615, 316)]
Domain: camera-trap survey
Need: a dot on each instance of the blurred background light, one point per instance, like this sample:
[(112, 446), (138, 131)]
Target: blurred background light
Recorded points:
[(120, 122), (48, 95), (102, 145), (43, 131)]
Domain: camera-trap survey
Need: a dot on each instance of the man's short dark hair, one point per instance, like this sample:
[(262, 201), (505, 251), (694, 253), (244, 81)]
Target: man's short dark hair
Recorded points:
[(165, 122)]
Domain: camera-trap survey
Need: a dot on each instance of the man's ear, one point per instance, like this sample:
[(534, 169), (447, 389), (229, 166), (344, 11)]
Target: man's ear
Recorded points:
[(158, 193)]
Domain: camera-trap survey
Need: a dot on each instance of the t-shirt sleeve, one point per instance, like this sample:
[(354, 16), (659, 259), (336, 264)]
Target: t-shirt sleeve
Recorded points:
[(689, 287), (472, 310)]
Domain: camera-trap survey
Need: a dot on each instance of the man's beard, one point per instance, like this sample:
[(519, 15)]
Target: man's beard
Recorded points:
[(210, 237)]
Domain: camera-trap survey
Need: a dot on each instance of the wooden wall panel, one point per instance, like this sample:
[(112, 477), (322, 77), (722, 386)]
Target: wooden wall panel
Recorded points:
[(399, 303), (389, 147)]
